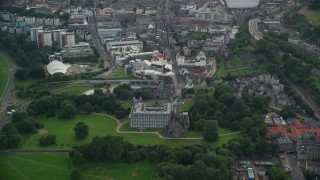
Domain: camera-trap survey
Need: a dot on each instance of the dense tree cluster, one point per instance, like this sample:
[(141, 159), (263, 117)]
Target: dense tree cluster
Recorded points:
[(11, 134), (188, 162), (237, 113), (27, 12), (26, 54), (123, 91), (231, 112), (67, 106), (278, 173), (290, 66)]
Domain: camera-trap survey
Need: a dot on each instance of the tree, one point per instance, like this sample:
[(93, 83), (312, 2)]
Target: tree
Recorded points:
[(26, 126), (77, 158), (152, 156), (246, 123), (19, 116), (278, 173), (14, 139), (48, 140), (22, 74), (65, 17), (123, 91), (211, 129), (3, 140), (88, 108), (75, 174), (68, 109), (133, 156), (81, 130)]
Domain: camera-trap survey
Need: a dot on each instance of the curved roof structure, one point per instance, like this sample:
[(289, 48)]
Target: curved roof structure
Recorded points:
[(242, 4), (57, 67)]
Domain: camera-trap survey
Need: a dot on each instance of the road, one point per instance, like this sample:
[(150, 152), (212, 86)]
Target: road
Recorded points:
[(296, 172), (7, 98), (99, 46), (164, 33), (253, 29)]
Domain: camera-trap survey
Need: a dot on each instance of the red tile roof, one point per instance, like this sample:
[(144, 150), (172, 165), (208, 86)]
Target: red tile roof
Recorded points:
[(313, 164), (295, 130)]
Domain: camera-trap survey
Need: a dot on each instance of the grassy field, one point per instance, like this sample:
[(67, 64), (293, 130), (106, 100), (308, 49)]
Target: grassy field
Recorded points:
[(126, 104), (26, 83), (312, 16), (99, 126), (35, 166), (58, 167), (75, 89), (4, 76), (63, 129), (185, 107), (119, 74), (119, 171)]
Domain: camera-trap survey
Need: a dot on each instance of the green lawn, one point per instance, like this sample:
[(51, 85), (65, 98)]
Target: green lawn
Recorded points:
[(119, 171), (58, 167), (126, 104), (63, 129), (222, 132), (185, 107), (76, 89), (313, 16), (35, 166), (26, 83), (119, 74), (229, 64), (238, 61), (4, 76), (99, 126)]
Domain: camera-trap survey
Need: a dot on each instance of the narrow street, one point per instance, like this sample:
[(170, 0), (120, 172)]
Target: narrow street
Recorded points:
[(99, 46), (8, 99)]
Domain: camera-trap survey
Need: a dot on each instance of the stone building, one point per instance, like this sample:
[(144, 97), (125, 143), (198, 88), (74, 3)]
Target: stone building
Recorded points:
[(167, 117)]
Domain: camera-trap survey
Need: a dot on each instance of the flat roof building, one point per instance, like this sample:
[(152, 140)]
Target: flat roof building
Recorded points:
[(243, 4)]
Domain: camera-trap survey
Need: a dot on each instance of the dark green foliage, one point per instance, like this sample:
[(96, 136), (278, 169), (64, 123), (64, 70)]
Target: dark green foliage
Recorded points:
[(106, 148), (26, 126), (123, 91), (133, 156), (210, 132), (47, 140), (18, 116), (278, 173), (10, 138), (81, 130), (75, 174), (68, 110), (26, 54), (56, 104), (143, 93), (287, 113), (77, 158)]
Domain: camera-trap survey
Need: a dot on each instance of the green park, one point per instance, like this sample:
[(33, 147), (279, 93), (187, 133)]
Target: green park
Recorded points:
[(58, 166), (100, 125)]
